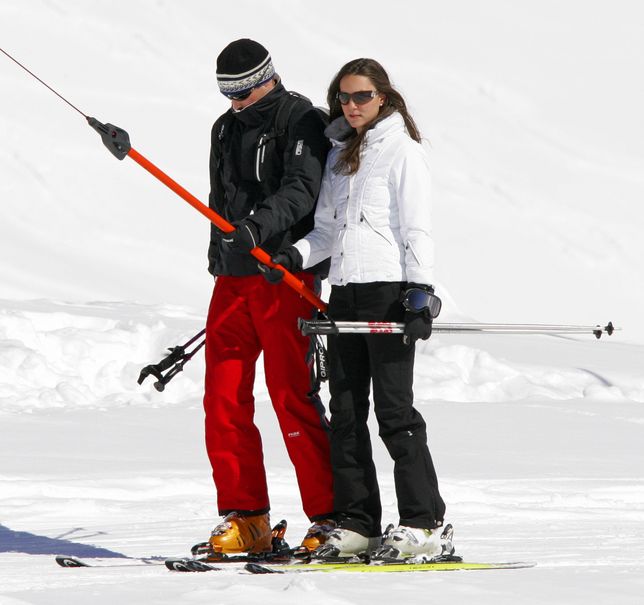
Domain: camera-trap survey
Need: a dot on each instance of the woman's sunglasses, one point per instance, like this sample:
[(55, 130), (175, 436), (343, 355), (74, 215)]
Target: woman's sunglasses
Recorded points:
[(359, 98)]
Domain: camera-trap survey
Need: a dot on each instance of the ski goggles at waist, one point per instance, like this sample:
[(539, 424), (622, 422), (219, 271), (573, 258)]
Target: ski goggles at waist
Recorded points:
[(418, 300)]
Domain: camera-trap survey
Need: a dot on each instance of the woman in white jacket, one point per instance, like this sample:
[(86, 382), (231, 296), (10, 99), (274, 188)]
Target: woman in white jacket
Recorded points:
[(373, 220)]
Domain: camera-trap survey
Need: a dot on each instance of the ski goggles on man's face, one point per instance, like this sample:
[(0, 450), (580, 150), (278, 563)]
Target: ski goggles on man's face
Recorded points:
[(418, 300), (240, 96)]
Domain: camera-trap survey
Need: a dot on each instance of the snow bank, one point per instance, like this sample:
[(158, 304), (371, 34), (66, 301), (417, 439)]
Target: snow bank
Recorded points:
[(73, 356), (59, 355)]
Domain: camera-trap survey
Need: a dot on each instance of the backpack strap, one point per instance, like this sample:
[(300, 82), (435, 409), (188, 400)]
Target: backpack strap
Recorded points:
[(283, 116), (278, 133)]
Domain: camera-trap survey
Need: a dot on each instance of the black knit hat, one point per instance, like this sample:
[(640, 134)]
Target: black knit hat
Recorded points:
[(242, 65)]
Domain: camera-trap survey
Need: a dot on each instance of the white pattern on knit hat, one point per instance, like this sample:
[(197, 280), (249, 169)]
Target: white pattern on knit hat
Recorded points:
[(234, 83)]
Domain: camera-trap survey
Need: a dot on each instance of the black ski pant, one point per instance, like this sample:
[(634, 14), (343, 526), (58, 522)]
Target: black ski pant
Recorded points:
[(383, 360)]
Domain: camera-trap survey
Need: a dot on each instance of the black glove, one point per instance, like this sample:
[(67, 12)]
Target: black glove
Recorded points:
[(243, 239), (418, 324), (290, 258)]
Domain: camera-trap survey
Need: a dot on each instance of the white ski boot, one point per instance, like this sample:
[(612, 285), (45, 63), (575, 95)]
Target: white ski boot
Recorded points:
[(418, 544), (346, 543)]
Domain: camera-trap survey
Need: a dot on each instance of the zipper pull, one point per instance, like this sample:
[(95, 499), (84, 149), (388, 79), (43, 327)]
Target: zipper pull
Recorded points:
[(259, 157)]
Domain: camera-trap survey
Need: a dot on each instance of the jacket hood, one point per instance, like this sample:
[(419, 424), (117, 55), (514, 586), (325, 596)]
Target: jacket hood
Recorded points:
[(338, 130)]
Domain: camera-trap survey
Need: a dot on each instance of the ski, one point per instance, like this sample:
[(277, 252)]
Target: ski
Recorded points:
[(203, 558), (173, 564), (190, 565), (65, 561), (199, 565), (379, 567), (213, 562)]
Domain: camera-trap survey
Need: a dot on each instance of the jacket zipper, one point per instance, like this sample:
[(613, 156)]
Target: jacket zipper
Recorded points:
[(366, 220), (413, 252), (259, 156)]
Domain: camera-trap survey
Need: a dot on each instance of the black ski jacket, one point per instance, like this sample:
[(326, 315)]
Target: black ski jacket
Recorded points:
[(266, 174)]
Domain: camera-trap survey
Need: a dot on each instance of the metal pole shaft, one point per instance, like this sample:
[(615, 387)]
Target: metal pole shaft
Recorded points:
[(374, 327)]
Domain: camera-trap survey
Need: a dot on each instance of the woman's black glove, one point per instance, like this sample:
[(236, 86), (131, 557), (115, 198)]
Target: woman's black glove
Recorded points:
[(417, 326), (290, 258)]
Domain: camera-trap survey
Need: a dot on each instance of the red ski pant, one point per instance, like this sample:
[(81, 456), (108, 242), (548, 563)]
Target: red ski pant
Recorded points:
[(248, 315)]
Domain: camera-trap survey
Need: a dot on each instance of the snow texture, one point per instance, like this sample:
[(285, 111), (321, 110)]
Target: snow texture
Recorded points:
[(533, 120)]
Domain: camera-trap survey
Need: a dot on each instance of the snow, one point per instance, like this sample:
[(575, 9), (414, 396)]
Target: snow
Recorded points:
[(532, 114)]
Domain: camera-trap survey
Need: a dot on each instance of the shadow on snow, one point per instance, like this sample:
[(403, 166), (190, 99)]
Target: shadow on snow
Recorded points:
[(33, 544)]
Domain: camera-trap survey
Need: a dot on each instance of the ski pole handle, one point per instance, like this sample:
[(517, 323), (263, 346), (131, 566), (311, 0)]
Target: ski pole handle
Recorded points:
[(222, 224)]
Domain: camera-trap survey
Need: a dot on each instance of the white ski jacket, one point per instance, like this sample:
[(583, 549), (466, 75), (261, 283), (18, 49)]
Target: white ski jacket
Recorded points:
[(375, 224)]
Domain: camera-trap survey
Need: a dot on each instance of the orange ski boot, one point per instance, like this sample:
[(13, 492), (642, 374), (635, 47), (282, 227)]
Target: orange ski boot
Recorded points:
[(238, 533)]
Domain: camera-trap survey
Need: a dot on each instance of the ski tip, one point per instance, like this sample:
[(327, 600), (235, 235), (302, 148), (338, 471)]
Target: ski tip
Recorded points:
[(189, 565), (256, 568), (177, 564), (64, 561), (197, 565), (521, 564)]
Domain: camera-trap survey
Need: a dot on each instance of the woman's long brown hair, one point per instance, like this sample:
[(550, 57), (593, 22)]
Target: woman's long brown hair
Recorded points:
[(349, 158)]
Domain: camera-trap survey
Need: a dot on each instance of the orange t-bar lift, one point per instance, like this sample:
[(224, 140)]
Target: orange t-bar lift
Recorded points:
[(117, 141)]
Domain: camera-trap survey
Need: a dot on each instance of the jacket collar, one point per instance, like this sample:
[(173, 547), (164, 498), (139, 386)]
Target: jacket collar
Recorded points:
[(262, 110), (339, 130)]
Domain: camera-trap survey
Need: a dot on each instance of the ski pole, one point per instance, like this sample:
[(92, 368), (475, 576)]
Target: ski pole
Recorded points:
[(173, 363), (117, 142), (325, 327)]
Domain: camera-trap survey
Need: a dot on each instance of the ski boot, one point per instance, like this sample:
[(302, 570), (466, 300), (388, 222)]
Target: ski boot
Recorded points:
[(242, 534), (317, 535), (417, 544), (346, 543)]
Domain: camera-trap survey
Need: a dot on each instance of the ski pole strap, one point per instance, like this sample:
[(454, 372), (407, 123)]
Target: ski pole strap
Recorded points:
[(321, 370), (326, 327), (321, 360)]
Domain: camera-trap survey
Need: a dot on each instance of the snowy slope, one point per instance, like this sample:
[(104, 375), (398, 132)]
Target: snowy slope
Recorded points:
[(532, 113), (538, 462), (531, 110)]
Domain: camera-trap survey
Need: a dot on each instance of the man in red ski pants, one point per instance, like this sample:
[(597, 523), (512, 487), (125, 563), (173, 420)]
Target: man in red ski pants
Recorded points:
[(267, 156)]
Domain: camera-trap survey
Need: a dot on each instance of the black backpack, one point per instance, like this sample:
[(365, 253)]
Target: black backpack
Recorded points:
[(277, 135)]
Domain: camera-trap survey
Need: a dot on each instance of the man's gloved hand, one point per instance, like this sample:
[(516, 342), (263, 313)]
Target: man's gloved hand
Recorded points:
[(421, 306), (290, 258), (243, 239)]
